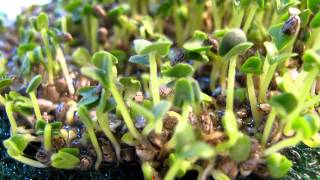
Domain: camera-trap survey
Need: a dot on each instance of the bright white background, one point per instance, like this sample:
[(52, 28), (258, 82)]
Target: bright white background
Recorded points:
[(13, 7)]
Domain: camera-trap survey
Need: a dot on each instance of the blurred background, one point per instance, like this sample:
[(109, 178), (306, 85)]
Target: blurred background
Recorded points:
[(11, 8)]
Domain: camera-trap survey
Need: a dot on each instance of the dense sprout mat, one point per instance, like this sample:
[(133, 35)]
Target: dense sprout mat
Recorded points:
[(190, 89)]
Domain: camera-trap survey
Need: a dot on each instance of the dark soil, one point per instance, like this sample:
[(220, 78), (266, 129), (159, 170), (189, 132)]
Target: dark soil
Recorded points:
[(11, 169)]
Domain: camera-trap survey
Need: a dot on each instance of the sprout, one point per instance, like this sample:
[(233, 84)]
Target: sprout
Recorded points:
[(15, 146), (153, 50), (47, 130), (31, 90), (86, 120), (252, 66), (66, 158), (103, 121), (103, 73), (284, 104), (42, 25)]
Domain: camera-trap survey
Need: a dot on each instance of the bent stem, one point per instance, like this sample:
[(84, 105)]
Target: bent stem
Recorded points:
[(35, 105), (47, 137), (171, 174), (283, 144), (12, 120), (154, 86), (104, 124), (230, 88), (96, 146), (64, 67), (2, 100), (28, 161), (124, 111), (45, 40), (268, 127), (253, 99)]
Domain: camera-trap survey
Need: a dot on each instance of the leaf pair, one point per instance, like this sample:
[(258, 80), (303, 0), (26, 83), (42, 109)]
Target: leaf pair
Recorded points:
[(103, 70), (16, 144), (41, 124), (186, 91), (89, 96), (143, 48), (66, 158)]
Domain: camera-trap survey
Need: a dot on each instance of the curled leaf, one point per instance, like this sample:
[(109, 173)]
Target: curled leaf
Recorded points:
[(178, 71), (34, 84)]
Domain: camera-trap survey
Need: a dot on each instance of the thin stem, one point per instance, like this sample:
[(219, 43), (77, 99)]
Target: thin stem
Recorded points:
[(230, 88), (104, 124), (47, 135), (252, 12), (124, 111), (214, 72), (185, 112), (223, 74), (268, 127), (215, 15), (93, 33), (28, 161), (266, 81), (35, 105), (2, 100), (154, 86), (283, 144), (253, 99), (64, 28), (49, 55), (64, 67), (12, 120), (96, 146), (171, 174)]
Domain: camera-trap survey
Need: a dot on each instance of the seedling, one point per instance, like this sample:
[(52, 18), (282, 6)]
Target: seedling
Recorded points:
[(87, 121), (31, 90), (66, 158), (253, 65), (104, 74), (15, 146), (188, 85), (153, 51), (47, 130), (42, 25)]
